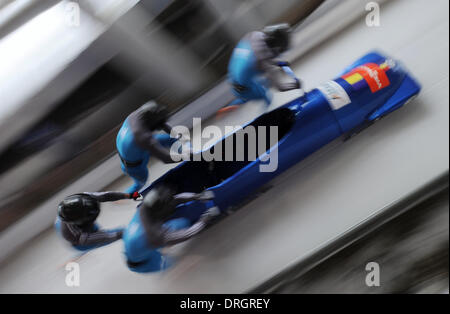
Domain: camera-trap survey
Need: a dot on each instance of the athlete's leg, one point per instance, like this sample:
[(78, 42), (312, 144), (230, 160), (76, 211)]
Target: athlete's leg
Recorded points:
[(264, 89), (133, 159), (235, 102), (139, 175), (141, 257), (253, 88), (259, 91)]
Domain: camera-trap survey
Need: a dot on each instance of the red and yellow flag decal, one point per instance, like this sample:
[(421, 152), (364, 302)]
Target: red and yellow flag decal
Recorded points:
[(372, 73)]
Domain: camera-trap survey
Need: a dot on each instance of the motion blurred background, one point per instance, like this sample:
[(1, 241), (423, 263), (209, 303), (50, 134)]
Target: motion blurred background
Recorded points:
[(68, 82), (71, 71)]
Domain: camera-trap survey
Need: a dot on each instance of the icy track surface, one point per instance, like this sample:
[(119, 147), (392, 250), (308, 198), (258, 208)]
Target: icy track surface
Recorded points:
[(317, 200)]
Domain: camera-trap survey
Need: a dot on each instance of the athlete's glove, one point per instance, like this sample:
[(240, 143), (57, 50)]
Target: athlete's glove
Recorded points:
[(206, 196), (283, 64), (136, 196), (211, 212)]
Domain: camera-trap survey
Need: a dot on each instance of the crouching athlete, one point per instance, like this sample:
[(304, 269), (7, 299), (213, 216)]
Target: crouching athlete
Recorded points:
[(77, 215), (253, 67), (137, 140), (153, 227)]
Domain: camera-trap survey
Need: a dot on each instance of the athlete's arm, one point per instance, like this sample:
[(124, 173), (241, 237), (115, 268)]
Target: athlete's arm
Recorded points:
[(178, 236), (281, 80), (101, 237), (109, 196), (187, 197)]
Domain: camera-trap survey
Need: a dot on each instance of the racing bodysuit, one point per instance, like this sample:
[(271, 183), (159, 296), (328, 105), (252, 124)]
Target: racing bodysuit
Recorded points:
[(135, 143), (253, 68), (159, 234), (144, 236)]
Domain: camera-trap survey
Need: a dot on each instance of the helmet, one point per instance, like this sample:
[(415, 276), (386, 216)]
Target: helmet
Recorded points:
[(79, 209), (278, 37), (158, 203), (153, 115)]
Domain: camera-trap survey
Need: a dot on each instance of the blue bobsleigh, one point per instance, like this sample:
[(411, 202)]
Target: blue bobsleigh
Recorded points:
[(368, 90)]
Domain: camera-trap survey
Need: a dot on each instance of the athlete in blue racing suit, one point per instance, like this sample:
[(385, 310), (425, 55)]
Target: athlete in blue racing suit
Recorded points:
[(137, 140), (253, 67), (154, 227)]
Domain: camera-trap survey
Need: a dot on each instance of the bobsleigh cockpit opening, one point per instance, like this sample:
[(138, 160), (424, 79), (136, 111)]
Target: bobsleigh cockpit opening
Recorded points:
[(196, 176)]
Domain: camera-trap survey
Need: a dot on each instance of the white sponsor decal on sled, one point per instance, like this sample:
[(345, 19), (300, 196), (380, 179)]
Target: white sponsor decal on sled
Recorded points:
[(335, 94)]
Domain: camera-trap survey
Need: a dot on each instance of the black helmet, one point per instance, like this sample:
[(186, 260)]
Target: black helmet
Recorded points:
[(153, 115), (278, 37), (158, 203), (79, 209)]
